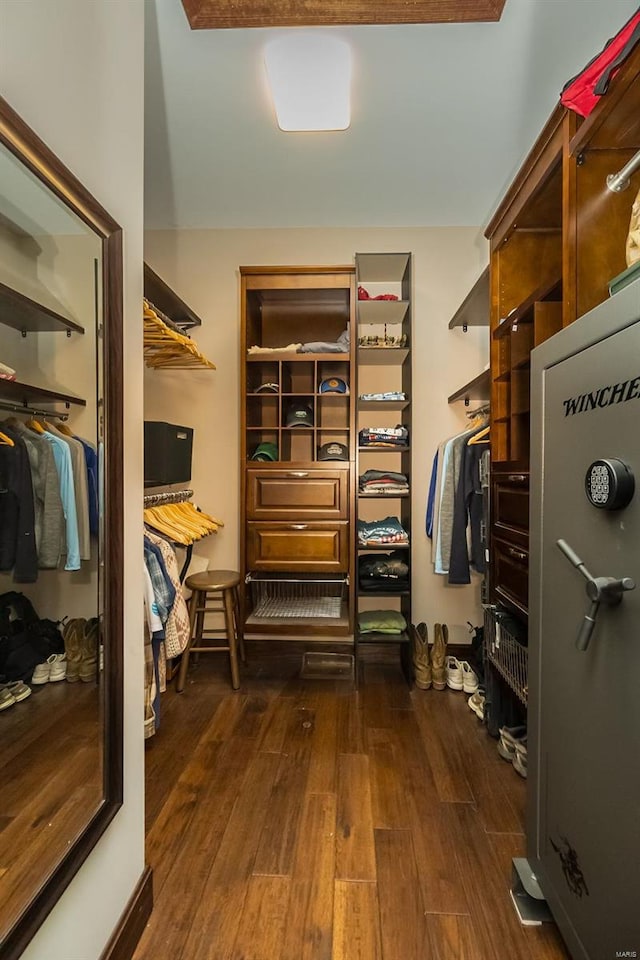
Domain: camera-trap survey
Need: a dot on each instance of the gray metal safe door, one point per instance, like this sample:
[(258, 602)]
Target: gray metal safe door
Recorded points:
[(587, 712)]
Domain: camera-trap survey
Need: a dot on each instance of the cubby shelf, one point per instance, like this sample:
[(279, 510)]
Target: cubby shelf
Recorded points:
[(382, 356)]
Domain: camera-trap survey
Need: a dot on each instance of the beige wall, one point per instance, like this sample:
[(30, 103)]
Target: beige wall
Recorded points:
[(202, 266), (74, 71)]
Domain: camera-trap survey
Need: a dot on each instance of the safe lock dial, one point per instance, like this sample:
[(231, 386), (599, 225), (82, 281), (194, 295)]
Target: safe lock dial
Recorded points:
[(609, 484), (599, 590)]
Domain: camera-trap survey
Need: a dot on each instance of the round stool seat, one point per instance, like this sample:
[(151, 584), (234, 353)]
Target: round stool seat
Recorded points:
[(213, 580)]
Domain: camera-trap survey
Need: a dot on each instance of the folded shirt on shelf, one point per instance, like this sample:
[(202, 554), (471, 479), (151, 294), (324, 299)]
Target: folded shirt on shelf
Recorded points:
[(381, 621), (341, 345), (384, 437), (383, 482), (7, 373), (290, 348), (375, 532), (383, 572)]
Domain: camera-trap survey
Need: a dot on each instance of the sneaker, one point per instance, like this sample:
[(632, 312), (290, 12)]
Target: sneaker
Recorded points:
[(454, 673), (42, 672), (58, 667), (509, 737), (19, 690), (439, 655), (476, 703), (7, 699), (519, 761), (469, 677), (420, 653)]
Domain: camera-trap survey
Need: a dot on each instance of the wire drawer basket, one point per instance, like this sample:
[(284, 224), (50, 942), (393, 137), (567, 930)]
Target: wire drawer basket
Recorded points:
[(508, 654), (296, 597)]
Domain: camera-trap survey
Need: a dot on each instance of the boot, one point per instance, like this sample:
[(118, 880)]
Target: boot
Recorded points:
[(72, 635), (439, 655), (89, 648), (420, 654)]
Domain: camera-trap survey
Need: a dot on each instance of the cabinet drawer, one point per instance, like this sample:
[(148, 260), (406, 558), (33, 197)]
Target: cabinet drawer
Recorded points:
[(314, 546), (511, 573), (510, 506), (293, 494)]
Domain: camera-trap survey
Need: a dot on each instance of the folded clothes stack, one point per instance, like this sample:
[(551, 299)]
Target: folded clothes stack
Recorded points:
[(382, 621), (384, 482), (387, 572), (7, 373), (388, 395), (384, 437), (377, 532)]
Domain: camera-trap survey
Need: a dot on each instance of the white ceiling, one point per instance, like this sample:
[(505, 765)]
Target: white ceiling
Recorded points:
[(442, 115)]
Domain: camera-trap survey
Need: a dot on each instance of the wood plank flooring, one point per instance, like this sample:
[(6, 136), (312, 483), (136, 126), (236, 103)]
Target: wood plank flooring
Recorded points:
[(302, 820)]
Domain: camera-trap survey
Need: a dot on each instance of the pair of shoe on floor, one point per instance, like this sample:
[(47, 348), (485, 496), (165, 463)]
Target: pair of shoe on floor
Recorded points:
[(81, 649), (461, 675), (476, 703), (512, 747), (429, 662), (14, 692), (53, 669)]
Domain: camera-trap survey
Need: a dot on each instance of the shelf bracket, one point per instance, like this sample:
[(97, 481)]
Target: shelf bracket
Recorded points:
[(466, 401), (465, 327), (68, 333), (23, 334)]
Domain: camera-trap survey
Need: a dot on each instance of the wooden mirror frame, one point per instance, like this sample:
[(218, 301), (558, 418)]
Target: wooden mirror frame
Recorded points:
[(27, 147)]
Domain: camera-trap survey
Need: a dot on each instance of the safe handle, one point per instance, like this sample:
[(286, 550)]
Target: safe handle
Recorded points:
[(599, 590)]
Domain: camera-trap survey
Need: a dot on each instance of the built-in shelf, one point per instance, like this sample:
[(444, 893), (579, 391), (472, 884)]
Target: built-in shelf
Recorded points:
[(502, 419), (26, 395), (383, 496), (165, 299), (524, 312), (28, 316), (477, 389), (382, 637), (503, 377), (379, 449), (274, 355), (383, 404), (381, 355), (384, 547), (382, 311), (383, 594), (474, 309)]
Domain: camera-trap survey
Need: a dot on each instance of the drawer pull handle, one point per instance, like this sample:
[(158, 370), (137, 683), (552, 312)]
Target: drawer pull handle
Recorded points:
[(298, 473), (517, 554), (298, 526), (517, 478)]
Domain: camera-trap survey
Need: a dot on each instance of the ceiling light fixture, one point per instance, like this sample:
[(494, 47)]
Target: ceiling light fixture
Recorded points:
[(310, 79), (617, 182)]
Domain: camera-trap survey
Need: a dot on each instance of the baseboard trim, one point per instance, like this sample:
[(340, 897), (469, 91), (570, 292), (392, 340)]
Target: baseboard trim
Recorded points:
[(124, 939)]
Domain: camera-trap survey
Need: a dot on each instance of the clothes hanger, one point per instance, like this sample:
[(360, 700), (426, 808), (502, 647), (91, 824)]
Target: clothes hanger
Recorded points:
[(62, 427), (481, 437), (36, 426), (5, 440)]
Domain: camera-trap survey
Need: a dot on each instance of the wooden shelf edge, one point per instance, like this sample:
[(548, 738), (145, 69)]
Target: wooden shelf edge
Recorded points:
[(476, 389), (472, 312), (30, 316), (521, 313), (158, 292), (25, 394)]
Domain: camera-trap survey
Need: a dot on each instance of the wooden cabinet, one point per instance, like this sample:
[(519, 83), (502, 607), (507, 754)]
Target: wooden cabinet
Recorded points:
[(557, 240), (298, 450), (384, 329)]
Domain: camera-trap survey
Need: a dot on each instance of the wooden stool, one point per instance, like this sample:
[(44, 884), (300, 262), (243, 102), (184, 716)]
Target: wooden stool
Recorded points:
[(224, 582)]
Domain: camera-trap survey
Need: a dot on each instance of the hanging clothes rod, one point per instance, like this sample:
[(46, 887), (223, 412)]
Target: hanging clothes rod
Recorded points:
[(32, 411), (172, 496)]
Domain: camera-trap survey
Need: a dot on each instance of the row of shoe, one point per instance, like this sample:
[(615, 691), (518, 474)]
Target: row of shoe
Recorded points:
[(80, 658), (512, 747), (12, 693), (429, 662)]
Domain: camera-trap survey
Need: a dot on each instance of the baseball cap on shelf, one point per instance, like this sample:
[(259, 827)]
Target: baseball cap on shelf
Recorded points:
[(333, 451), (265, 451), (333, 385), (268, 388), (299, 414)]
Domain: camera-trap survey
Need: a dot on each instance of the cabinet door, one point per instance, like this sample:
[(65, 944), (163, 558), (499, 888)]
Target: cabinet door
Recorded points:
[(314, 547), (293, 494), (511, 566)]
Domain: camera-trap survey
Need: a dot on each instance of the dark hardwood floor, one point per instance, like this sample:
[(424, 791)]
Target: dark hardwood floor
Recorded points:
[(300, 820)]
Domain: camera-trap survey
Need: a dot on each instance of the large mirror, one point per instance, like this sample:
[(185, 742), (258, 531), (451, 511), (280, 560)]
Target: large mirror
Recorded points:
[(60, 528)]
